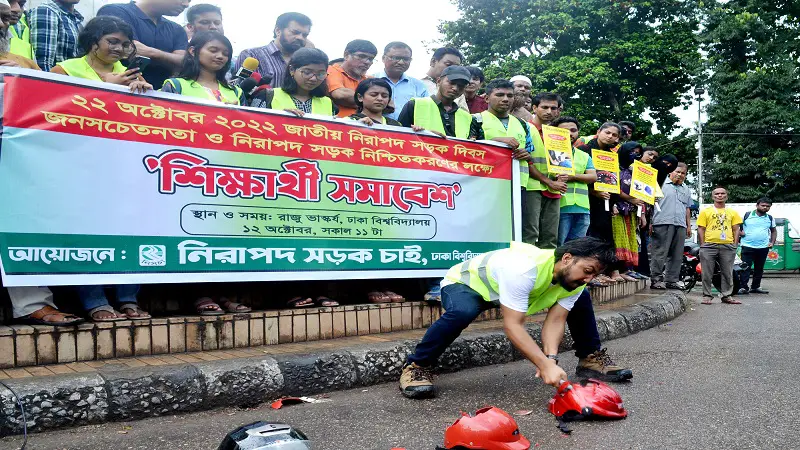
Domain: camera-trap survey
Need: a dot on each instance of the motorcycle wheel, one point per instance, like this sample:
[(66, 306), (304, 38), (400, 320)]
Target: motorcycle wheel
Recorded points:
[(688, 277)]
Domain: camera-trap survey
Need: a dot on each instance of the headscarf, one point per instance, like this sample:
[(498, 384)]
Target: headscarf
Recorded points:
[(665, 165), (627, 154)]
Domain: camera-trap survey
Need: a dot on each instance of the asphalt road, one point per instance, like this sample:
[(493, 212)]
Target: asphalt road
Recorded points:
[(718, 377)]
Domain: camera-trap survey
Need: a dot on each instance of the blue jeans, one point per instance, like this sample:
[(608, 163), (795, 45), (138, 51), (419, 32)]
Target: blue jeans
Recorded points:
[(461, 305), (572, 226), (92, 297)]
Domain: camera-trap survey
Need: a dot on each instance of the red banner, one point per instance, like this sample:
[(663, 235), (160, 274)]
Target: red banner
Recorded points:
[(141, 118)]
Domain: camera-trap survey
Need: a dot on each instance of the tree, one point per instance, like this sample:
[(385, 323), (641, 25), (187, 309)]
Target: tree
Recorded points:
[(754, 116), (610, 60)]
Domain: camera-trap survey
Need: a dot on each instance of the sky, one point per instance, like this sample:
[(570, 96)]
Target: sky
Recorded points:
[(249, 23)]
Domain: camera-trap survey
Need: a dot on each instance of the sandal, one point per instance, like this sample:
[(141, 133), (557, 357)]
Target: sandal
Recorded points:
[(378, 297), (394, 297), (207, 307), (233, 307), (50, 316), (116, 315), (135, 313), (731, 301), (325, 302), (300, 302), (707, 300)]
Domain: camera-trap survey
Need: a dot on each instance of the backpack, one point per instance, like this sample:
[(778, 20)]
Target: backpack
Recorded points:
[(747, 214)]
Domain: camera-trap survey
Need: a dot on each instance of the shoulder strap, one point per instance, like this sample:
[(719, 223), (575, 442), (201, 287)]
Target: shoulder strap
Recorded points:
[(524, 127), (176, 84), (746, 215)]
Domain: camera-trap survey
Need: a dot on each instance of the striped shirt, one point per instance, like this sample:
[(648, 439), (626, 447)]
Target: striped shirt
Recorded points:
[(54, 34), (270, 62)]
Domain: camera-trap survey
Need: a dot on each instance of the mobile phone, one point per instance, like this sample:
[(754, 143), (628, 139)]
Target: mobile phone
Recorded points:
[(140, 62)]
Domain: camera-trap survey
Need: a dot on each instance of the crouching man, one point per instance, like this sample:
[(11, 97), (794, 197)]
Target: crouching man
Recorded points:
[(521, 280)]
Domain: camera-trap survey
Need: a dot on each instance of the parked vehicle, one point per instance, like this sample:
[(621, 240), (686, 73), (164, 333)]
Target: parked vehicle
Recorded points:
[(692, 272)]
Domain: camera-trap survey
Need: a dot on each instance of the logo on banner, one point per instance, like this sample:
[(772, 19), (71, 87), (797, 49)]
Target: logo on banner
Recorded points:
[(152, 255)]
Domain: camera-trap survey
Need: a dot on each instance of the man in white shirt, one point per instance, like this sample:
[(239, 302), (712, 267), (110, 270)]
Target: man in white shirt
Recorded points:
[(521, 280)]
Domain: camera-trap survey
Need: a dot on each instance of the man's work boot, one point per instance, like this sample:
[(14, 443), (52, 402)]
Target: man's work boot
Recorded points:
[(758, 290), (600, 366), (415, 382)]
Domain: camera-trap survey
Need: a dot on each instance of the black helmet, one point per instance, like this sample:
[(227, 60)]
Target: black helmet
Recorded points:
[(265, 435)]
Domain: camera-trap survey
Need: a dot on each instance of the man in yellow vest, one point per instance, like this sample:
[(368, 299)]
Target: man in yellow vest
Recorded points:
[(573, 221), (521, 280), (19, 31), (439, 113), (8, 59)]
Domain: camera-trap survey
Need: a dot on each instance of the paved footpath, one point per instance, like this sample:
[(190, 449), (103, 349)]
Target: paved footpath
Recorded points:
[(719, 376)]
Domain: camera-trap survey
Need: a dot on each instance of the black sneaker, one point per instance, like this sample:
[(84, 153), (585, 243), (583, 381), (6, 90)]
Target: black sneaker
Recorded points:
[(744, 291), (758, 290)]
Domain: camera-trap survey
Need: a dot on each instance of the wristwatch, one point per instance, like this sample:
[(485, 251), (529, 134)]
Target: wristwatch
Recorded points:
[(553, 357)]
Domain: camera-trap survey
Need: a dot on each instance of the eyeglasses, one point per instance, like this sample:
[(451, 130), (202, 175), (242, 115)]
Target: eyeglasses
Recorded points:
[(125, 45), (321, 75), (400, 59), (363, 57)]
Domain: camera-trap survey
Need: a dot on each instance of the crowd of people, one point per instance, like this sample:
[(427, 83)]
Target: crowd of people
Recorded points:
[(134, 45)]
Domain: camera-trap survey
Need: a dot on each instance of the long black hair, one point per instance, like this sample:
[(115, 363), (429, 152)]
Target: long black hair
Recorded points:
[(364, 86), (300, 58), (191, 63), (101, 26)]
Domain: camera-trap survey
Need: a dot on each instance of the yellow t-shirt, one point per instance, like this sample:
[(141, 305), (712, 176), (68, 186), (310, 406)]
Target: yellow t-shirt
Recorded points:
[(718, 224)]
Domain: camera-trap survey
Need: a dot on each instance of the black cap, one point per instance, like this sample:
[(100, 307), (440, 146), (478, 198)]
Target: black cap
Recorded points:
[(456, 73)]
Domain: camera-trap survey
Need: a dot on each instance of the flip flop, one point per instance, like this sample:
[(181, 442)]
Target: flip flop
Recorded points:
[(394, 297), (118, 316), (233, 307), (207, 307), (731, 301), (325, 302), (140, 313), (378, 297), (707, 300), (40, 316), (300, 302)]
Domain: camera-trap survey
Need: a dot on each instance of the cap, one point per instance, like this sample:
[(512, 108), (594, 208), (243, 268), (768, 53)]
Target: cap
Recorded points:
[(521, 78), (456, 73)]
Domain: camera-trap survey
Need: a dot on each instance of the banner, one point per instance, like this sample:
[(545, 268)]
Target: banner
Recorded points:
[(103, 186), (558, 144), (644, 183), (607, 166)]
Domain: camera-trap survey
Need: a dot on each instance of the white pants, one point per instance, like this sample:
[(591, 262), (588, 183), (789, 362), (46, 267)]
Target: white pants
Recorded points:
[(27, 300)]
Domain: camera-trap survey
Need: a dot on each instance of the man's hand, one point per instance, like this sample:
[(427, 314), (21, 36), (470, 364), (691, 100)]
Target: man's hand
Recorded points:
[(509, 141), (636, 202), (8, 63), (418, 128), (643, 223), (295, 111), (521, 155), (140, 86), (602, 195), (143, 50), (557, 185), (551, 373), (688, 232)]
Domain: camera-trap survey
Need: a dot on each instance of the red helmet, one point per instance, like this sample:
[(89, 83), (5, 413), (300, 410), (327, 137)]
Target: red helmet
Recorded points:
[(489, 429), (589, 399)]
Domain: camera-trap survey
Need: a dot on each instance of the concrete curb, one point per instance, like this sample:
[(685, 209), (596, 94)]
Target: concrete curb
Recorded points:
[(114, 395)]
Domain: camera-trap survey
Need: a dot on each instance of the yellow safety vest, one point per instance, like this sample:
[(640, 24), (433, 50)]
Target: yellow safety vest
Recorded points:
[(322, 106), (191, 88), (493, 128), (577, 192), (80, 68), (426, 115), (539, 156), (476, 273), (21, 44)]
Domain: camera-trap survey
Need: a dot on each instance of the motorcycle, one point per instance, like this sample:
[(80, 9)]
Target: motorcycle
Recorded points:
[(692, 272)]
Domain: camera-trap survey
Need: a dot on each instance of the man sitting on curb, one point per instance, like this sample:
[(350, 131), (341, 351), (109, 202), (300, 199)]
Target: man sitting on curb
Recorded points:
[(521, 280)]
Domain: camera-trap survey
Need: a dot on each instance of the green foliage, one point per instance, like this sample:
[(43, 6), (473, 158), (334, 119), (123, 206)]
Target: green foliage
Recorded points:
[(610, 60), (753, 54)]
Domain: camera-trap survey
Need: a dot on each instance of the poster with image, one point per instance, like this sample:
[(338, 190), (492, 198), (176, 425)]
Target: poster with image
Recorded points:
[(558, 145), (644, 182), (607, 166)]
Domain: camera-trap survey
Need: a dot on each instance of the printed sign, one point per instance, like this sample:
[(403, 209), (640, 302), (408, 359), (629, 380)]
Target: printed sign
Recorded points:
[(644, 182), (101, 186), (558, 145), (607, 166)]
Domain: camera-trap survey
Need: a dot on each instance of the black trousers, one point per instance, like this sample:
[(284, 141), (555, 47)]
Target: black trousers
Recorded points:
[(754, 258)]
